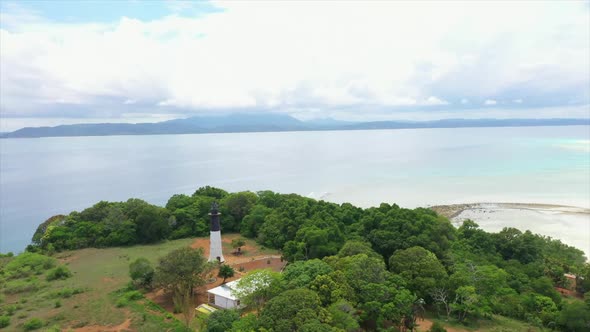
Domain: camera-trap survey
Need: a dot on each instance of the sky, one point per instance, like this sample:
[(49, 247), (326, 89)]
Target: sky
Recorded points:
[(67, 62)]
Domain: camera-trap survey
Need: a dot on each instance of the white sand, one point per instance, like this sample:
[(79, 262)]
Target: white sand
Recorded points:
[(571, 225)]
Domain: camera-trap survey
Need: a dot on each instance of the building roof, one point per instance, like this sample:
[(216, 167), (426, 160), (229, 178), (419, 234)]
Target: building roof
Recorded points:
[(225, 290), (205, 309)]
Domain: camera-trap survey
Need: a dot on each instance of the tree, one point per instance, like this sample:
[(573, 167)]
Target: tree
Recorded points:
[(327, 289), (351, 248), (238, 205), (575, 316), (178, 202), (246, 323), (141, 272), (441, 295), (419, 267), (225, 271), (180, 272), (400, 310), (540, 309), (344, 316), (290, 310), (210, 192), (151, 225), (238, 244), (257, 287), (252, 222), (221, 320), (466, 302), (302, 273)]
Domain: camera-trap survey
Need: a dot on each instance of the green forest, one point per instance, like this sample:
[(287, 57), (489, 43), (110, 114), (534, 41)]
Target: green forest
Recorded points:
[(353, 269)]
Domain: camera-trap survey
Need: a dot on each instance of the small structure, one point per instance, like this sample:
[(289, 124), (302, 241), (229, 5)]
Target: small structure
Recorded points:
[(571, 281), (222, 297), (215, 248), (205, 309)]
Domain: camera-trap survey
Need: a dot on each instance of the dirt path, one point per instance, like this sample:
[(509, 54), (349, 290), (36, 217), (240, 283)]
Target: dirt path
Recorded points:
[(426, 324), (123, 327)]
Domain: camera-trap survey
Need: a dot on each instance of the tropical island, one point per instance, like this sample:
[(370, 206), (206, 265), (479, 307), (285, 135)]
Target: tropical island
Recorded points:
[(290, 263)]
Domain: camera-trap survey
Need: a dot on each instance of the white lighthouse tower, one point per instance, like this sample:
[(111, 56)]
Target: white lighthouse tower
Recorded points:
[(215, 249)]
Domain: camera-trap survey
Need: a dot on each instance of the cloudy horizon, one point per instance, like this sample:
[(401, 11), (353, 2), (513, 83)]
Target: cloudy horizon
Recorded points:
[(127, 61)]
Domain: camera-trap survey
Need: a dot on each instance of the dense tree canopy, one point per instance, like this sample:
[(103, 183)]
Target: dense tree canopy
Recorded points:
[(349, 268)]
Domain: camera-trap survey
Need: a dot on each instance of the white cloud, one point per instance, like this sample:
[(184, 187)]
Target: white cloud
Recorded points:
[(435, 101), (518, 101), (288, 56)]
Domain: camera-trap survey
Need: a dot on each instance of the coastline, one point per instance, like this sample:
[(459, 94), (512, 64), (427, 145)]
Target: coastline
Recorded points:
[(453, 210), (569, 224)]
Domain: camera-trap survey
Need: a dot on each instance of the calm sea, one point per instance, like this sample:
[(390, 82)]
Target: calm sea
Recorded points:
[(415, 167)]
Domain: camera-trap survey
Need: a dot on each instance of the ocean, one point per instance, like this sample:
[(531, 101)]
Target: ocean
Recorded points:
[(42, 177)]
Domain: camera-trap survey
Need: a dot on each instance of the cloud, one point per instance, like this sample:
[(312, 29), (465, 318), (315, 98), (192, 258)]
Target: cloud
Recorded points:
[(435, 101), (517, 101), (368, 58)]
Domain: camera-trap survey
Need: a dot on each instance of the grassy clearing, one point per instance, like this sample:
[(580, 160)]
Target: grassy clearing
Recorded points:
[(92, 295), (86, 298), (496, 324)]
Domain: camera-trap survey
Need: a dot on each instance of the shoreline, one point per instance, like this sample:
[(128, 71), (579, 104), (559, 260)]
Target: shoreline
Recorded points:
[(568, 224), (451, 211)]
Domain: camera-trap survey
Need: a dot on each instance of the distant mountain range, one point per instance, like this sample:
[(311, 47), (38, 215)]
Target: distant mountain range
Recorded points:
[(268, 122)]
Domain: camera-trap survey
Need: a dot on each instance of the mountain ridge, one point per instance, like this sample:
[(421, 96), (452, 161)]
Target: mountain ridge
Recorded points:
[(268, 122)]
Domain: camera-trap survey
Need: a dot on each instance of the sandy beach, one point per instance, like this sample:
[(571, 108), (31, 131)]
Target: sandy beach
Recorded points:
[(569, 224)]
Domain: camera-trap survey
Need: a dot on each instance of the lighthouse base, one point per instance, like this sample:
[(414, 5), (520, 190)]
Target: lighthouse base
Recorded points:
[(215, 248)]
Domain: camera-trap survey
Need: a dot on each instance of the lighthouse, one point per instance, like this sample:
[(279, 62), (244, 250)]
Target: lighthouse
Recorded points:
[(215, 249)]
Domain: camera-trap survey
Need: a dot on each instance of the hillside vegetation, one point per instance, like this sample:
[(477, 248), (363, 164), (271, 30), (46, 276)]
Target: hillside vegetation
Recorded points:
[(380, 268)]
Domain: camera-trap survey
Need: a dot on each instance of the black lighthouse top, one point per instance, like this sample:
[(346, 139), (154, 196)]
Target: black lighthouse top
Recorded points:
[(215, 226)]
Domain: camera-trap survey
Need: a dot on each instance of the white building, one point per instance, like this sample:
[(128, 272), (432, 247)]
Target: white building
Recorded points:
[(221, 296)]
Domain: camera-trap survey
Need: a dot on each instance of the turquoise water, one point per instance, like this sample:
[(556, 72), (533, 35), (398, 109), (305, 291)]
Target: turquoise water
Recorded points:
[(414, 167)]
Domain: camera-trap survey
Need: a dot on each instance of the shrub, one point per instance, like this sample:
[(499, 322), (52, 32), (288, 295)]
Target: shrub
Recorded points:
[(141, 272), (133, 295), (57, 304), (437, 327), (122, 302), (10, 309), (59, 317), (65, 293), (60, 272), (54, 328), (33, 324), (22, 286), (28, 263), (4, 321)]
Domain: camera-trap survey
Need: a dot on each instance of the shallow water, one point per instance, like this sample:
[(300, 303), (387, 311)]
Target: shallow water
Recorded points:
[(413, 167), (571, 226)]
